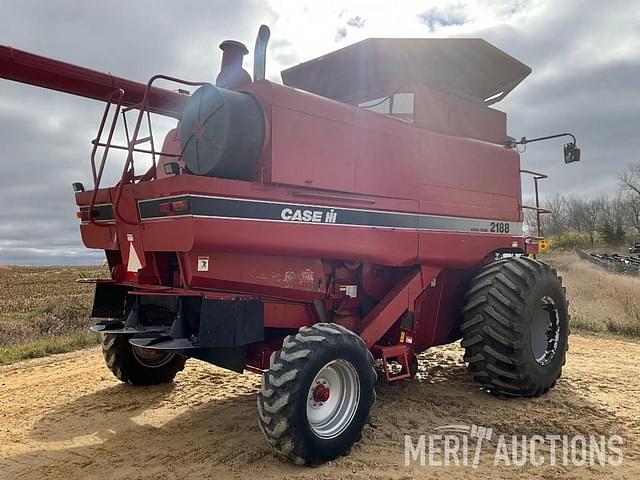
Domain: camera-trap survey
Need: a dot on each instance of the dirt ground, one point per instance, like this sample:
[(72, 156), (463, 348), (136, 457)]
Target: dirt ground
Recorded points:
[(68, 417)]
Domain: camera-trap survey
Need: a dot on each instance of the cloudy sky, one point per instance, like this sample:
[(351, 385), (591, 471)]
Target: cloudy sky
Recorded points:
[(585, 57)]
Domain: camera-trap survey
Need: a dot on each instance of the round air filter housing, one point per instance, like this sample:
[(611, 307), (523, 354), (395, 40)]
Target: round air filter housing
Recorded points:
[(222, 133)]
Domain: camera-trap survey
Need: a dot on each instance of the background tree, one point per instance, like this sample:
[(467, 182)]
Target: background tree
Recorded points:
[(556, 219), (630, 188), (587, 221), (592, 212), (607, 232)]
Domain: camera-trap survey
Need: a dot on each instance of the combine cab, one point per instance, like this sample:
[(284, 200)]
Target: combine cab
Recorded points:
[(366, 210)]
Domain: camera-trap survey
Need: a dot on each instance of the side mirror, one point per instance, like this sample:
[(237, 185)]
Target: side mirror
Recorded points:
[(571, 153)]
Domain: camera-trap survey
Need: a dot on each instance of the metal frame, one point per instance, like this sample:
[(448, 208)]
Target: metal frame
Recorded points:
[(97, 176), (128, 170), (536, 177)]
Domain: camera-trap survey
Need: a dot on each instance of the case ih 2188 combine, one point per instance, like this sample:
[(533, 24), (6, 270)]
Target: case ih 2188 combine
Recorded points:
[(369, 208)]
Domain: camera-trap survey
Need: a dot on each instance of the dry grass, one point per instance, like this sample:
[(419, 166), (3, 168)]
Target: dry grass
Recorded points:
[(44, 310), (599, 301)]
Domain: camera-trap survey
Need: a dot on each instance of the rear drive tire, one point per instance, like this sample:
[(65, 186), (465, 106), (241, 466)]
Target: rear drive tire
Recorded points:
[(515, 327), (316, 396), (139, 366)]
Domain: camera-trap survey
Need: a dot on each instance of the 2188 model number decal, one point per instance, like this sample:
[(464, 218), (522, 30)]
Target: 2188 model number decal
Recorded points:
[(499, 227)]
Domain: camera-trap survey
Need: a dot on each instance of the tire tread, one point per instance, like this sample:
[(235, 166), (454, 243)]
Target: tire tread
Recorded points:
[(492, 321), (279, 392)]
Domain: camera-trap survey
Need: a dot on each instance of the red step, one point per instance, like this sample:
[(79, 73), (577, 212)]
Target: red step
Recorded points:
[(397, 353)]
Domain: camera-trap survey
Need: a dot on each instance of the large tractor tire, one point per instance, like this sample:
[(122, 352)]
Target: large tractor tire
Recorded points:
[(139, 366), (316, 396), (515, 327)]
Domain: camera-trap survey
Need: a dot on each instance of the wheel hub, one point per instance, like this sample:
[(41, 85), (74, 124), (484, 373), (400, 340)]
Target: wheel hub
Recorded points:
[(321, 393)]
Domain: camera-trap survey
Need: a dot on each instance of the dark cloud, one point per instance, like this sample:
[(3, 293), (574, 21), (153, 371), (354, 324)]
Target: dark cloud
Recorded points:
[(341, 34), (357, 22), (584, 80), (437, 17), (506, 8), (352, 22), (63, 255), (584, 56)]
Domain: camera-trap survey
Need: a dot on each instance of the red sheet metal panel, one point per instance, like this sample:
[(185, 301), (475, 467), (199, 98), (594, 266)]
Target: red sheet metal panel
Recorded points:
[(340, 147), (441, 112), (462, 177), (271, 275), (400, 299)]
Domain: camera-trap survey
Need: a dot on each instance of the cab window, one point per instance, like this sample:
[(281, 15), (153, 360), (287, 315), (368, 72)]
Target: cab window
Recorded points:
[(398, 105)]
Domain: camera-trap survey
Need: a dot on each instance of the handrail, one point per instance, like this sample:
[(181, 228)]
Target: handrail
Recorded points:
[(537, 209), (128, 172), (139, 150), (134, 141), (540, 176), (536, 176), (97, 175)]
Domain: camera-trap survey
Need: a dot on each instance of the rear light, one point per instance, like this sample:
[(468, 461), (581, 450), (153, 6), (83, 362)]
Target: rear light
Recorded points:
[(181, 206), (178, 207), (83, 214)]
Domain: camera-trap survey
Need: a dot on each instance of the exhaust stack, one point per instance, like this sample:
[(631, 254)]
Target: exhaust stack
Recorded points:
[(260, 53), (232, 74)]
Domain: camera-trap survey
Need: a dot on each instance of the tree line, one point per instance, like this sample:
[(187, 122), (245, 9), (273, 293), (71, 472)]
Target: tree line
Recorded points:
[(575, 221)]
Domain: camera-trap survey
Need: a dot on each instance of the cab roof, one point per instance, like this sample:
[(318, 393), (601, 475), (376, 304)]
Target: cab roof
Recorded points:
[(468, 67)]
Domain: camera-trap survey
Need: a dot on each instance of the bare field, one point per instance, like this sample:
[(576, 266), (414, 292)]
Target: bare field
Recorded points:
[(67, 417)]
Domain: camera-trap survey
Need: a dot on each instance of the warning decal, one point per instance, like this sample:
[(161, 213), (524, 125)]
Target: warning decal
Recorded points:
[(203, 264)]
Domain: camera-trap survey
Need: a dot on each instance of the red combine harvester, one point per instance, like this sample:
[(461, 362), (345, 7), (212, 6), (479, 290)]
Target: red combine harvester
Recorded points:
[(367, 209)]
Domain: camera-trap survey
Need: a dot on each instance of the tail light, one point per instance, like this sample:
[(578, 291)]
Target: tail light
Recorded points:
[(83, 214), (178, 207)]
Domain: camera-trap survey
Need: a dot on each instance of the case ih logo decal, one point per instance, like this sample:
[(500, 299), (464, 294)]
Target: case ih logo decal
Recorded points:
[(261, 210), (315, 216)]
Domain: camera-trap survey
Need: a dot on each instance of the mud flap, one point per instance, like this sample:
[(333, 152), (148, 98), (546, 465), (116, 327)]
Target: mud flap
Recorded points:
[(230, 323), (232, 358), (109, 300)]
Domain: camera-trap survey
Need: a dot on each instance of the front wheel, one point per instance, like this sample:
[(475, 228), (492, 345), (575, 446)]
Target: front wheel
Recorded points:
[(139, 366), (516, 327), (316, 396)]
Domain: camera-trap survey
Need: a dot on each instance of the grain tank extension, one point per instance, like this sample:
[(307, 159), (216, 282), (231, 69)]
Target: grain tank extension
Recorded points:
[(366, 210)]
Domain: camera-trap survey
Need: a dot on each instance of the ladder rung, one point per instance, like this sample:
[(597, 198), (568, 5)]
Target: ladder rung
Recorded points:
[(142, 140), (132, 107)]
